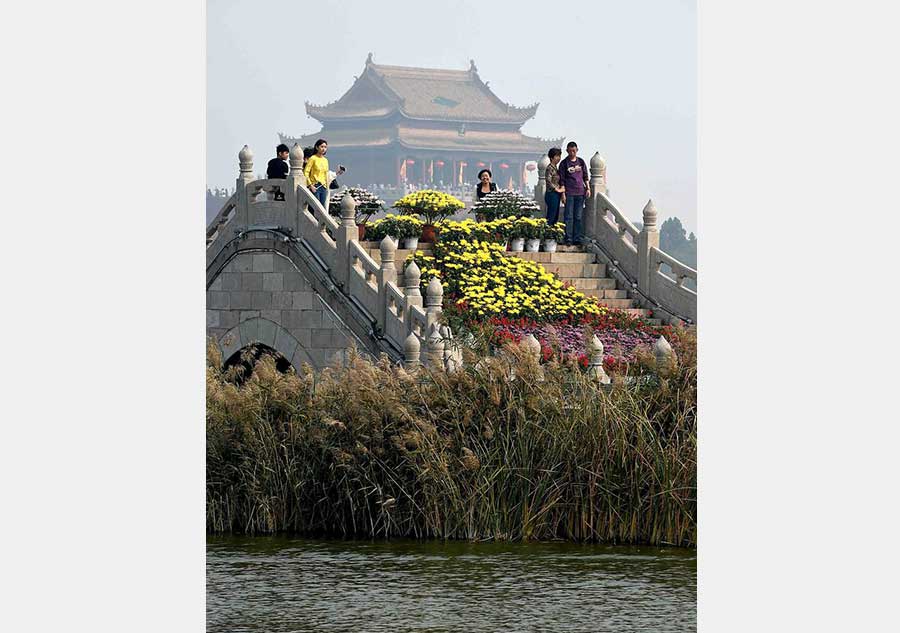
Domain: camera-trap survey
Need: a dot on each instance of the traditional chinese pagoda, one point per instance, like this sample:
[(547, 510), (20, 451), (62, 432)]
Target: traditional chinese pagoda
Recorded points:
[(425, 126)]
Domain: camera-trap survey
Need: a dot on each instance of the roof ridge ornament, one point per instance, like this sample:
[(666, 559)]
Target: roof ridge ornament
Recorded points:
[(472, 67), (369, 60)]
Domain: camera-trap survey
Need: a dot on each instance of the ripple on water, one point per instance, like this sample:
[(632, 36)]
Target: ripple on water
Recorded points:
[(279, 584)]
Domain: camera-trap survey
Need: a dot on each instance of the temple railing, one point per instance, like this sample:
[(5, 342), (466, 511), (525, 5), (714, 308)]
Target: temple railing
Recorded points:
[(634, 254), (393, 313)]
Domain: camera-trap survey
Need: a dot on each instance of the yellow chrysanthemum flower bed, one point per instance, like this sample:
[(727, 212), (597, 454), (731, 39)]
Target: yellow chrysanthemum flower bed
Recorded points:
[(430, 204), (477, 276)]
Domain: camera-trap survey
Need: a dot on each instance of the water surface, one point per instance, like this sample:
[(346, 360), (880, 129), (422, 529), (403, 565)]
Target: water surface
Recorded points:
[(277, 584)]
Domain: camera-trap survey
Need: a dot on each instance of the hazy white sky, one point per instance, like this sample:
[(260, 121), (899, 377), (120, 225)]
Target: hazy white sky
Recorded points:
[(617, 77)]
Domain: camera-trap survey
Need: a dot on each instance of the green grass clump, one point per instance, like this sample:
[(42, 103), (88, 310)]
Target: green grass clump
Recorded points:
[(371, 450)]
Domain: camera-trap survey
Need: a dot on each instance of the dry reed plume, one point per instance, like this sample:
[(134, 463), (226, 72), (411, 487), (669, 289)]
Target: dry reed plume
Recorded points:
[(369, 449)]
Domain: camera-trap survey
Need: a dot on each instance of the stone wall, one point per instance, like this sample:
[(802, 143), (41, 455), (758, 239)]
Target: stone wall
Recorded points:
[(261, 297)]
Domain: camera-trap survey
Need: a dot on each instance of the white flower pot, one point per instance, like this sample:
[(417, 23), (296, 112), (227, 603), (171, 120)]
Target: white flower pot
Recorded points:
[(550, 246), (517, 244), (533, 246), (412, 243)]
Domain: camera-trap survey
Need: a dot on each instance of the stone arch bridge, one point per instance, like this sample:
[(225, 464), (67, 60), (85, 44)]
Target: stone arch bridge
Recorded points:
[(287, 275)]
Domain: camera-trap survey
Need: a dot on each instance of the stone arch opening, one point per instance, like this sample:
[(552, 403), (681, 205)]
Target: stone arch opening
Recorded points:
[(245, 360)]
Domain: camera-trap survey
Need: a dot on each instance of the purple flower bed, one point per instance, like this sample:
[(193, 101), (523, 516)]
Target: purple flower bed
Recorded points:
[(570, 337)]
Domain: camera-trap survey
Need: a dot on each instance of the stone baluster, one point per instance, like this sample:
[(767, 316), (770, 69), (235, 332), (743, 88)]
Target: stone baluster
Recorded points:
[(411, 348), (452, 354), (595, 368), (412, 277), (532, 347), (245, 163), (541, 187), (387, 274), (344, 234), (435, 355), (647, 238), (665, 356), (434, 299), (592, 204), (245, 176)]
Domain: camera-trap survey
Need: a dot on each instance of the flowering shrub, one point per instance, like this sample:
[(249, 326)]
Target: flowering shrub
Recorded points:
[(430, 204), (408, 226), (453, 231), (555, 231), (529, 228), (479, 278), (367, 203), (397, 226)]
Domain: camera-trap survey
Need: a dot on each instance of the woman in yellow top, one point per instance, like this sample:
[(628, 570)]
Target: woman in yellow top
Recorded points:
[(316, 171)]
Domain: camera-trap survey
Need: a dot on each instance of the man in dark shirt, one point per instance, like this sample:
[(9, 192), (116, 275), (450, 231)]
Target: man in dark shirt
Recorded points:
[(278, 167), (573, 175)]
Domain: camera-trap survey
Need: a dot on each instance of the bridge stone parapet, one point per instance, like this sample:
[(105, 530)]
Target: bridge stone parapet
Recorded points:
[(285, 270), (632, 256)]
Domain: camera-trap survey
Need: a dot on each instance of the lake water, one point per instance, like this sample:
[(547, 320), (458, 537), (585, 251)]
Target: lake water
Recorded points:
[(280, 584)]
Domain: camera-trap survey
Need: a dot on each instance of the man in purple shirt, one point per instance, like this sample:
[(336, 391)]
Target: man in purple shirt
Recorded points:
[(573, 175)]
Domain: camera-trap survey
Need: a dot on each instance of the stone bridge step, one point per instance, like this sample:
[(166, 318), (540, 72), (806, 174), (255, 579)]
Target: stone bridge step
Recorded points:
[(555, 258), (621, 304), (583, 283), (564, 271)]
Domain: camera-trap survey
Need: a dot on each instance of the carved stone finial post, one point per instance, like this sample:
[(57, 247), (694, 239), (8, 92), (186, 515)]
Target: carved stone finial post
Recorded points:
[(245, 165), (592, 203), (650, 215), (343, 236), (411, 350), (348, 212), (452, 354), (541, 187), (665, 355), (532, 347), (387, 274), (434, 294), (434, 299), (598, 174), (296, 160), (647, 239), (595, 369), (412, 279), (435, 353), (295, 180)]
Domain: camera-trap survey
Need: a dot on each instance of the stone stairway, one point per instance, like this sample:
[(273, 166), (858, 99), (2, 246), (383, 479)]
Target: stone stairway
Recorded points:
[(570, 264)]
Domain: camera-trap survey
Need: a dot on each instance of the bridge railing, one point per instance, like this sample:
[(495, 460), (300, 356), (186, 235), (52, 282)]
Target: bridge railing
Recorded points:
[(634, 253), (396, 314)]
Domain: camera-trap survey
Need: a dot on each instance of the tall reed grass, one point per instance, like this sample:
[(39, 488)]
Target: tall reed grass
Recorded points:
[(369, 449)]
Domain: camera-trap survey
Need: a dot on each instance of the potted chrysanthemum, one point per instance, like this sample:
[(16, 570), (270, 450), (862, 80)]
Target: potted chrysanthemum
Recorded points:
[(367, 204), (553, 234), (432, 206), (517, 233), (533, 229), (409, 230)]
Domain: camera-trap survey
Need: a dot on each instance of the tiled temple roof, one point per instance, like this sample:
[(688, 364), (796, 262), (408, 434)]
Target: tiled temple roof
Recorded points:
[(421, 93)]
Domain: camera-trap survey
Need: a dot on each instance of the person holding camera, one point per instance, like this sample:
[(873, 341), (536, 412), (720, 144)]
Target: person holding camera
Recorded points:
[(316, 172)]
